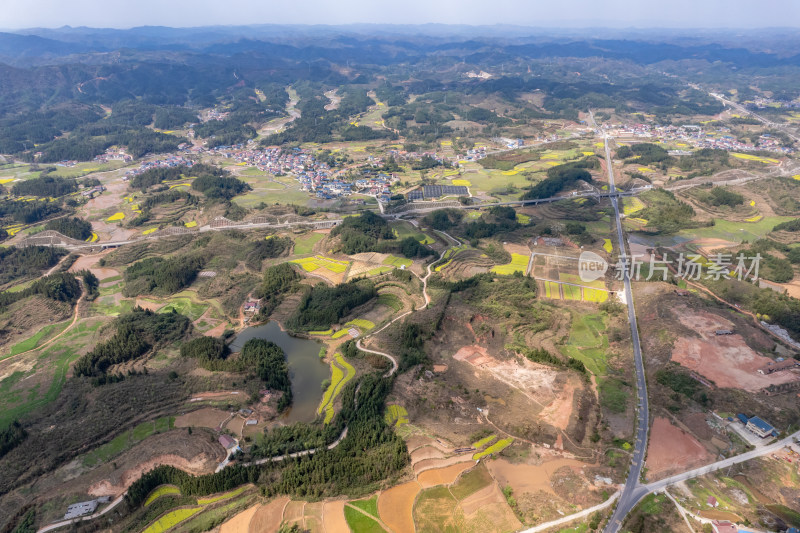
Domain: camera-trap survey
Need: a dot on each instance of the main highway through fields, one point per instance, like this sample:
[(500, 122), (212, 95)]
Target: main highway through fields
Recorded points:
[(632, 492)]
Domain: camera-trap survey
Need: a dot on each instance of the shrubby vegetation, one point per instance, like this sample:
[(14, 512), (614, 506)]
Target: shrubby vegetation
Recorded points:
[(322, 305), (136, 333), (74, 227), (789, 225), (664, 213), (443, 219), (718, 196), (61, 286), (497, 220)]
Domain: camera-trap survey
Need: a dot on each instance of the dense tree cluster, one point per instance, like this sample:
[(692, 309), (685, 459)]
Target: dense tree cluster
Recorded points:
[(789, 225), (11, 436), (498, 220), (443, 219), (371, 452), (21, 263), (665, 213), (136, 333), (225, 187), (28, 212), (74, 227), (362, 233), (322, 305), (155, 176), (61, 286), (45, 186), (167, 118), (279, 280), (560, 177), (90, 284), (269, 248), (265, 358), (159, 275), (723, 196)]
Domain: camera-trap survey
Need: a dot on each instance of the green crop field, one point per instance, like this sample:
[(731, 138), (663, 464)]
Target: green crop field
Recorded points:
[(405, 229), (32, 342), (397, 261), (369, 505), (186, 307), (736, 231), (497, 447), (361, 523), (304, 244), (588, 343)]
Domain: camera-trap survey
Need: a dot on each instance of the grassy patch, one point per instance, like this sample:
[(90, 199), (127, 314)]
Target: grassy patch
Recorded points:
[(127, 439), (304, 244), (370, 505), (397, 261), (361, 523), (32, 342), (310, 264), (391, 301), (471, 482)]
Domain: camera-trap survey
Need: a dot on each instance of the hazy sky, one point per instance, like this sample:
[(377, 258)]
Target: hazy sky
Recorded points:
[(561, 13)]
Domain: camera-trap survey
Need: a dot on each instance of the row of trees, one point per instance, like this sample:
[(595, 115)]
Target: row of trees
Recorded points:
[(45, 186), (28, 212), (136, 333)]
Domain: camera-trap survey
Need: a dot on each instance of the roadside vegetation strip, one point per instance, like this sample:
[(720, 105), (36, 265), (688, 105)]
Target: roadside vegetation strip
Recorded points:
[(483, 442), (171, 519), (163, 490), (497, 447), (519, 263), (396, 415), (223, 496)]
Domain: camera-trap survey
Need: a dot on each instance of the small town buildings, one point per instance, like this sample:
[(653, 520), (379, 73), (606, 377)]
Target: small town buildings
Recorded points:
[(724, 526)]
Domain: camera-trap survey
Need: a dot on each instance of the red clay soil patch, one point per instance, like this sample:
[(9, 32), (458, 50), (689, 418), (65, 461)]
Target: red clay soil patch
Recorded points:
[(239, 523), (417, 441), (268, 517), (207, 417), (333, 517), (474, 355), (727, 360), (222, 395), (673, 450), (202, 464), (525, 478), (439, 368), (428, 464), (445, 475), (720, 515), (89, 262), (487, 510), (425, 452), (559, 411), (396, 507)]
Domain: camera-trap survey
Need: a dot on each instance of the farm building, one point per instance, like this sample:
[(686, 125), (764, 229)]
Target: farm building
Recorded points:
[(712, 502), (227, 442), (778, 366), (760, 427), (79, 509), (723, 526)]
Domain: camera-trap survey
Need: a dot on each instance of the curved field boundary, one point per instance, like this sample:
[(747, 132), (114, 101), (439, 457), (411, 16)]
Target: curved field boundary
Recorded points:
[(223, 496), (163, 490), (341, 373), (497, 447), (171, 519)]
